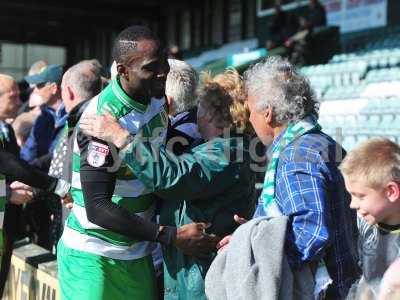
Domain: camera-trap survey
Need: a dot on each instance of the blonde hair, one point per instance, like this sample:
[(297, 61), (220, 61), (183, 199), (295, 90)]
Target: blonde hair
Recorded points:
[(377, 160), (223, 97)]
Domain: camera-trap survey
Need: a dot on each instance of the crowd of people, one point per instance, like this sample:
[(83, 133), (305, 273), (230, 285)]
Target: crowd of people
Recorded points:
[(144, 185)]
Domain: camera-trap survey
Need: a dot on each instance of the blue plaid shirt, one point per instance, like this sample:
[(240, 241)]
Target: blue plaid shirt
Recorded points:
[(311, 191)]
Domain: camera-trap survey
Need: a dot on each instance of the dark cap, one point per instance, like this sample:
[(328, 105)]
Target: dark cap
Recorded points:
[(50, 73)]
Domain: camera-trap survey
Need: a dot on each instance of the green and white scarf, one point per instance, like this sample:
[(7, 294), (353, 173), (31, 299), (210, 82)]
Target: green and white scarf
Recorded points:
[(292, 132)]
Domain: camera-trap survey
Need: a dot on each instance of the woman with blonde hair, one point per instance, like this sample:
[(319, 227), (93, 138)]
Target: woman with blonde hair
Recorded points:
[(210, 183)]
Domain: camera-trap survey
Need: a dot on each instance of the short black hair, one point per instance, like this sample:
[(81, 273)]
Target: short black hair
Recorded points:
[(126, 41)]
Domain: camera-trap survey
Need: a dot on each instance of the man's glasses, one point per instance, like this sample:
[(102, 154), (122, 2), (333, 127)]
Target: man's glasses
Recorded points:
[(40, 85)]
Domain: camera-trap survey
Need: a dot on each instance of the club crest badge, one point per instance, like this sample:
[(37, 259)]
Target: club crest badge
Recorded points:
[(97, 154)]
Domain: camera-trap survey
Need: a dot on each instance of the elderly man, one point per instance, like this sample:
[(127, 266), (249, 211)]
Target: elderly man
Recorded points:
[(180, 91), (9, 98), (302, 179), (80, 83), (52, 118)]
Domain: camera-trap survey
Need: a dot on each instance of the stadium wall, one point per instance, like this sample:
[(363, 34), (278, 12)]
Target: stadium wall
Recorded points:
[(32, 275)]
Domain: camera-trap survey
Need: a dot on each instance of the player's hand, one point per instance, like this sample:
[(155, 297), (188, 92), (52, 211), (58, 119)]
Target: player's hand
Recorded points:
[(67, 201), (192, 240)]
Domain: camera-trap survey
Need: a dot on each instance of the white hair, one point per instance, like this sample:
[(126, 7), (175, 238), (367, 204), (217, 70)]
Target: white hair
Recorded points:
[(181, 85), (276, 83)]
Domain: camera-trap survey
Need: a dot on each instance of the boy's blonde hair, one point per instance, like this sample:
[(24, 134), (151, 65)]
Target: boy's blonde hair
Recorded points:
[(223, 97), (376, 161)]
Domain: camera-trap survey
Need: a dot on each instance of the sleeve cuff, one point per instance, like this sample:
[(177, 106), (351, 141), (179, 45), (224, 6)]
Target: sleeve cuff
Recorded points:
[(62, 188), (166, 235)]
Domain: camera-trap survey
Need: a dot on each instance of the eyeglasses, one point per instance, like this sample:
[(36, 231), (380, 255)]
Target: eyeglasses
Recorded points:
[(40, 85)]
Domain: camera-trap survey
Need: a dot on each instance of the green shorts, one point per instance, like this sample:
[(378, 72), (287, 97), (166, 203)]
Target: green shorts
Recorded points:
[(86, 276)]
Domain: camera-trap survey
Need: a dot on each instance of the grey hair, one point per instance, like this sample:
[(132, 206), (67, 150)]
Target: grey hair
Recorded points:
[(276, 83), (181, 85), (84, 78)]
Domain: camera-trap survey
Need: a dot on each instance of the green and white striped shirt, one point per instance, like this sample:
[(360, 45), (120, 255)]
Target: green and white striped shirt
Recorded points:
[(151, 120)]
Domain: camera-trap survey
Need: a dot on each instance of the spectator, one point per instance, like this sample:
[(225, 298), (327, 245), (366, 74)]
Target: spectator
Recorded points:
[(316, 15), (302, 180), (80, 83), (9, 104), (9, 98), (52, 117), (31, 100), (22, 126), (39, 146), (12, 169), (180, 91), (372, 176), (35, 100), (282, 27), (181, 87)]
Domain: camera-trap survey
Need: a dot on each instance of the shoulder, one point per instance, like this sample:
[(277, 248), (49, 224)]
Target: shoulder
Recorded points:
[(107, 101), (315, 147), (233, 149), (44, 118), (368, 237)]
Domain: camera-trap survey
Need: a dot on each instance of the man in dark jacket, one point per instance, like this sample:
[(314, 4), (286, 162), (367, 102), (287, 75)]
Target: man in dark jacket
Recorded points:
[(316, 14), (11, 168), (80, 83)]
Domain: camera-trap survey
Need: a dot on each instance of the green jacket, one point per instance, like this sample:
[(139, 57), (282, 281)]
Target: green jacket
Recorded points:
[(211, 183)]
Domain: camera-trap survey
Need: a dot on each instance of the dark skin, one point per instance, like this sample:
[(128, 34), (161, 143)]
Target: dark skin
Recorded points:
[(144, 72), (143, 75)]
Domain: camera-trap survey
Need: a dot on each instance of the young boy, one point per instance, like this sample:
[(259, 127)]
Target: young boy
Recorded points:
[(372, 177)]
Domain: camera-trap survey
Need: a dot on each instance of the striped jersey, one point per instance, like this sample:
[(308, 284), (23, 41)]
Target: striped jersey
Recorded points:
[(151, 120)]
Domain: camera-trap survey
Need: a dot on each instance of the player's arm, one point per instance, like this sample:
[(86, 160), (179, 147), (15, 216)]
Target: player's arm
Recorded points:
[(98, 183)]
